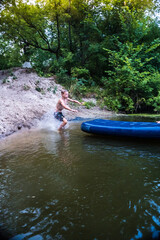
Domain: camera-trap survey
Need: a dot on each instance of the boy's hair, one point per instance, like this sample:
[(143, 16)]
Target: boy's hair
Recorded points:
[(63, 91)]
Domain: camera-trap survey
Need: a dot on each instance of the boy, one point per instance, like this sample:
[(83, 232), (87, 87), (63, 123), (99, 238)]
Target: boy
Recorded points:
[(61, 104)]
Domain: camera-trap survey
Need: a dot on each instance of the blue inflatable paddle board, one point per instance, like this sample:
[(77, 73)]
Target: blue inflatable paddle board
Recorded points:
[(122, 128)]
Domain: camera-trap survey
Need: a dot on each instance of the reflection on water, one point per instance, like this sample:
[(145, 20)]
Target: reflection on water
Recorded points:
[(78, 186)]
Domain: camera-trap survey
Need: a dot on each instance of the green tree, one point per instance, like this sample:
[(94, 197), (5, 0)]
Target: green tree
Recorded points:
[(85, 41), (132, 81)]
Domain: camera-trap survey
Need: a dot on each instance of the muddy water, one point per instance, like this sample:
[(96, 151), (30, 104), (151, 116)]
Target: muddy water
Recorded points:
[(73, 186)]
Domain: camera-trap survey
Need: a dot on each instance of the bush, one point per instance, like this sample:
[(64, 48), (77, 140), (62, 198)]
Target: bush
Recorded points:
[(132, 84), (89, 104)]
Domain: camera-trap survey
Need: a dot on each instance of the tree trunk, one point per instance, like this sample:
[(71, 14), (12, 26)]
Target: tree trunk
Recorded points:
[(69, 29), (58, 37)]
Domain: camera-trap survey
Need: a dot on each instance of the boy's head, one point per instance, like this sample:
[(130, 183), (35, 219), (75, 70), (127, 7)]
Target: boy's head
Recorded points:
[(64, 93)]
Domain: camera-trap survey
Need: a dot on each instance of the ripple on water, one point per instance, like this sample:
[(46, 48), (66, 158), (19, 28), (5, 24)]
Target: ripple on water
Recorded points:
[(69, 186)]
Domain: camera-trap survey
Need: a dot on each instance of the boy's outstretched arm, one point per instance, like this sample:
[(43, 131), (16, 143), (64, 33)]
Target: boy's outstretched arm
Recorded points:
[(68, 108), (75, 101)]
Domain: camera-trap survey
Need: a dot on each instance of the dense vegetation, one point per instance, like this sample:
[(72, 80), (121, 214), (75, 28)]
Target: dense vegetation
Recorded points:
[(110, 48)]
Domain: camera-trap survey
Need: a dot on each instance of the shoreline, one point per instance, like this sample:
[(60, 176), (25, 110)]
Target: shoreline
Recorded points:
[(25, 98)]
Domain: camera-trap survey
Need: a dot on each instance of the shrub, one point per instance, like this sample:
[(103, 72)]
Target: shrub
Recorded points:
[(132, 84)]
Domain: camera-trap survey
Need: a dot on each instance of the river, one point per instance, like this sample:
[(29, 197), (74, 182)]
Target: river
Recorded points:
[(76, 186)]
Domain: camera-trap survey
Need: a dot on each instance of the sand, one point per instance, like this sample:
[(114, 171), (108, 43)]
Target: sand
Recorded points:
[(26, 97)]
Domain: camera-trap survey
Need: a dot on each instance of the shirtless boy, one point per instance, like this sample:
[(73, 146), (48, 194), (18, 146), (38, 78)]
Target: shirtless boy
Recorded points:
[(61, 104)]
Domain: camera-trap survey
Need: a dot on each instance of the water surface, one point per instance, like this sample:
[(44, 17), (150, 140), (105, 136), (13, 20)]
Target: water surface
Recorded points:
[(75, 186)]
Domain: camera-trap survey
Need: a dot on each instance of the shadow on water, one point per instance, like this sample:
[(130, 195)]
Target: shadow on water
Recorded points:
[(125, 141)]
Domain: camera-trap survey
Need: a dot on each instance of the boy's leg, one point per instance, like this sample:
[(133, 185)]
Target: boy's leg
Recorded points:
[(63, 124)]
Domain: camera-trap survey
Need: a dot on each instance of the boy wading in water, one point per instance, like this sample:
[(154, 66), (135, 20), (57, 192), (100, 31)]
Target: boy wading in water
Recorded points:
[(61, 104)]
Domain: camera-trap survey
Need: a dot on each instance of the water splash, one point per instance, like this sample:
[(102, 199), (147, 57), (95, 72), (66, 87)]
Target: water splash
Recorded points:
[(49, 123)]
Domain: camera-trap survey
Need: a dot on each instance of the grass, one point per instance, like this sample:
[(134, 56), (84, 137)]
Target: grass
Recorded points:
[(26, 87), (145, 115), (89, 105)]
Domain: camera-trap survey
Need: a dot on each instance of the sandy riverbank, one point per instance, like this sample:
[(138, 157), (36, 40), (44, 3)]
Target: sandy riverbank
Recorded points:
[(26, 97)]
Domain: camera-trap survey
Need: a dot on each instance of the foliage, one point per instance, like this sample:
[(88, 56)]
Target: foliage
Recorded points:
[(10, 54), (89, 104), (113, 44), (133, 82), (26, 87)]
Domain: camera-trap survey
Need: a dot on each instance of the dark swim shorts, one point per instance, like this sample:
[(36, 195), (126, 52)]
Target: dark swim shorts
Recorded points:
[(59, 116)]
